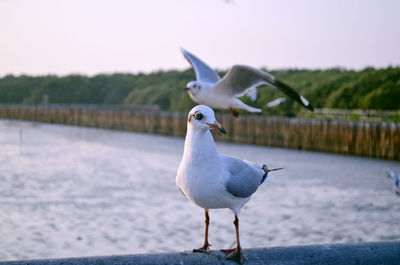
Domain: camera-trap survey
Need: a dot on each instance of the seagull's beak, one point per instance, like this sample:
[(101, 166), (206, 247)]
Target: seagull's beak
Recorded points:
[(218, 126), (186, 89)]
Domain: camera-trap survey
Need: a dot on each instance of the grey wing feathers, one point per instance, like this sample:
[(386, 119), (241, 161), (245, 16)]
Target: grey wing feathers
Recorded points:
[(202, 70), (244, 178), (240, 78)]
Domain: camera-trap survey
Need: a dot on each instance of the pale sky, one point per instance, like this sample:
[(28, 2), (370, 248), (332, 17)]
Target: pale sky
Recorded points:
[(107, 36)]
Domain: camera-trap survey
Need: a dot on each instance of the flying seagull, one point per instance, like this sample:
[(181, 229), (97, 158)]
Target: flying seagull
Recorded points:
[(396, 181), (212, 180), (209, 89)]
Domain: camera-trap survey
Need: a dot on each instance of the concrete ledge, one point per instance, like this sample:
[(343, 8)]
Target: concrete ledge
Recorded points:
[(333, 254)]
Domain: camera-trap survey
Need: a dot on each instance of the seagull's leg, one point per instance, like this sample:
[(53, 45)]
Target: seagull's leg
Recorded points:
[(236, 253), (205, 248), (234, 112)]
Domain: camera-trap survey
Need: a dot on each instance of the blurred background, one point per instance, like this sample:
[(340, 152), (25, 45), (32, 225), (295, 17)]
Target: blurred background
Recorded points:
[(339, 54), (73, 191)]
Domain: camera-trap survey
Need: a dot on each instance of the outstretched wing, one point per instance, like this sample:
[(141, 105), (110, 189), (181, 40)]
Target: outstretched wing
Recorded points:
[(244, 177), (202, 70), (241, 78)]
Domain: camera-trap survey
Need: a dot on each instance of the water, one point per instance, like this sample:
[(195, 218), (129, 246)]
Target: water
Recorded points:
[(70, 191)]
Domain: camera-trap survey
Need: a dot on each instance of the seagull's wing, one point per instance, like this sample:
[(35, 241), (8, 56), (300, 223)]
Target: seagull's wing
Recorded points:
[(252, 93), (244, 177), (240, 78), (275, 102), (202, 70)]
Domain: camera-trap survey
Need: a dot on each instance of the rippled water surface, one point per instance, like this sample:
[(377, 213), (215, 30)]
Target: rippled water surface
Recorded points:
[(72, 191)]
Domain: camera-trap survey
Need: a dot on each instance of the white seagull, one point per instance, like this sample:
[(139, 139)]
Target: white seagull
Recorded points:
[(396, 181), (209, 89), (212, 180)]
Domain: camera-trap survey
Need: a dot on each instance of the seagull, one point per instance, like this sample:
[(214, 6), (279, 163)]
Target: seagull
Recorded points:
[(212, 180), (209, 89), (396, 181)]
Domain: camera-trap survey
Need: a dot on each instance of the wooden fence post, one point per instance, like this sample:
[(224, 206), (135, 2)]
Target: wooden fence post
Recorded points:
[(373, 139)]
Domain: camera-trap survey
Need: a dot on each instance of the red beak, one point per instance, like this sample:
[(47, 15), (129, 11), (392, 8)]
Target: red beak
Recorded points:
[(186, 89), (218, 126)]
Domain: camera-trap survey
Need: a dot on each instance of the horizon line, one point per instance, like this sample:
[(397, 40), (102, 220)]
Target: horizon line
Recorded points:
[(278, 69)]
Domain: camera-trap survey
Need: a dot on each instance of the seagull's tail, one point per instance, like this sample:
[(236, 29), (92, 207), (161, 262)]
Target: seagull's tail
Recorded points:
[(266, 170)]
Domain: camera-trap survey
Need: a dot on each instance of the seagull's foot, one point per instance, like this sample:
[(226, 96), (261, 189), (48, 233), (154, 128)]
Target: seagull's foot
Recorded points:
[(227, 251), (203, 249), (234, 254), (234, 112)]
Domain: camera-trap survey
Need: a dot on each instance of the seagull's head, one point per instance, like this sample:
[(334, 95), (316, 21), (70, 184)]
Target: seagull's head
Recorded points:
[(193, 87), (391, 174), (202, 118)]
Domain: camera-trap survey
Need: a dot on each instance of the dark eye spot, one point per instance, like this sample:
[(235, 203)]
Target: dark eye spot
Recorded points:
[(198, 116)]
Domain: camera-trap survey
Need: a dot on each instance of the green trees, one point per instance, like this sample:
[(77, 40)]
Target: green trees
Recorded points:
[(332, 88)]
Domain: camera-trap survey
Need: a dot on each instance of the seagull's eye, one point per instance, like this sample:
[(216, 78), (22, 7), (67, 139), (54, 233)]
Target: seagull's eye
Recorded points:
[(198, 116)]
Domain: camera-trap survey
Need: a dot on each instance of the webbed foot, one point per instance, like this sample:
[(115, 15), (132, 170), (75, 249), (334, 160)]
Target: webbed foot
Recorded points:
[(203, 249), (234, 254)]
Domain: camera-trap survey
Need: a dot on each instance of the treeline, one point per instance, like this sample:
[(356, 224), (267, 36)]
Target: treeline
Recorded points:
[(333, 88)]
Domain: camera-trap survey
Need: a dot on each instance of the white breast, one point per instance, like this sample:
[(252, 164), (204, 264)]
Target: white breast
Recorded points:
[(204, 186)]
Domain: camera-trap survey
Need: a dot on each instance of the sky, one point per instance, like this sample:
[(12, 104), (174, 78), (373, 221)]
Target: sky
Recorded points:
[(89, 37)]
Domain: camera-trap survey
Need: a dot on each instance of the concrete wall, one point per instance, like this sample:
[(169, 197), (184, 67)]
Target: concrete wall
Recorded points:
[(387, 253)]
